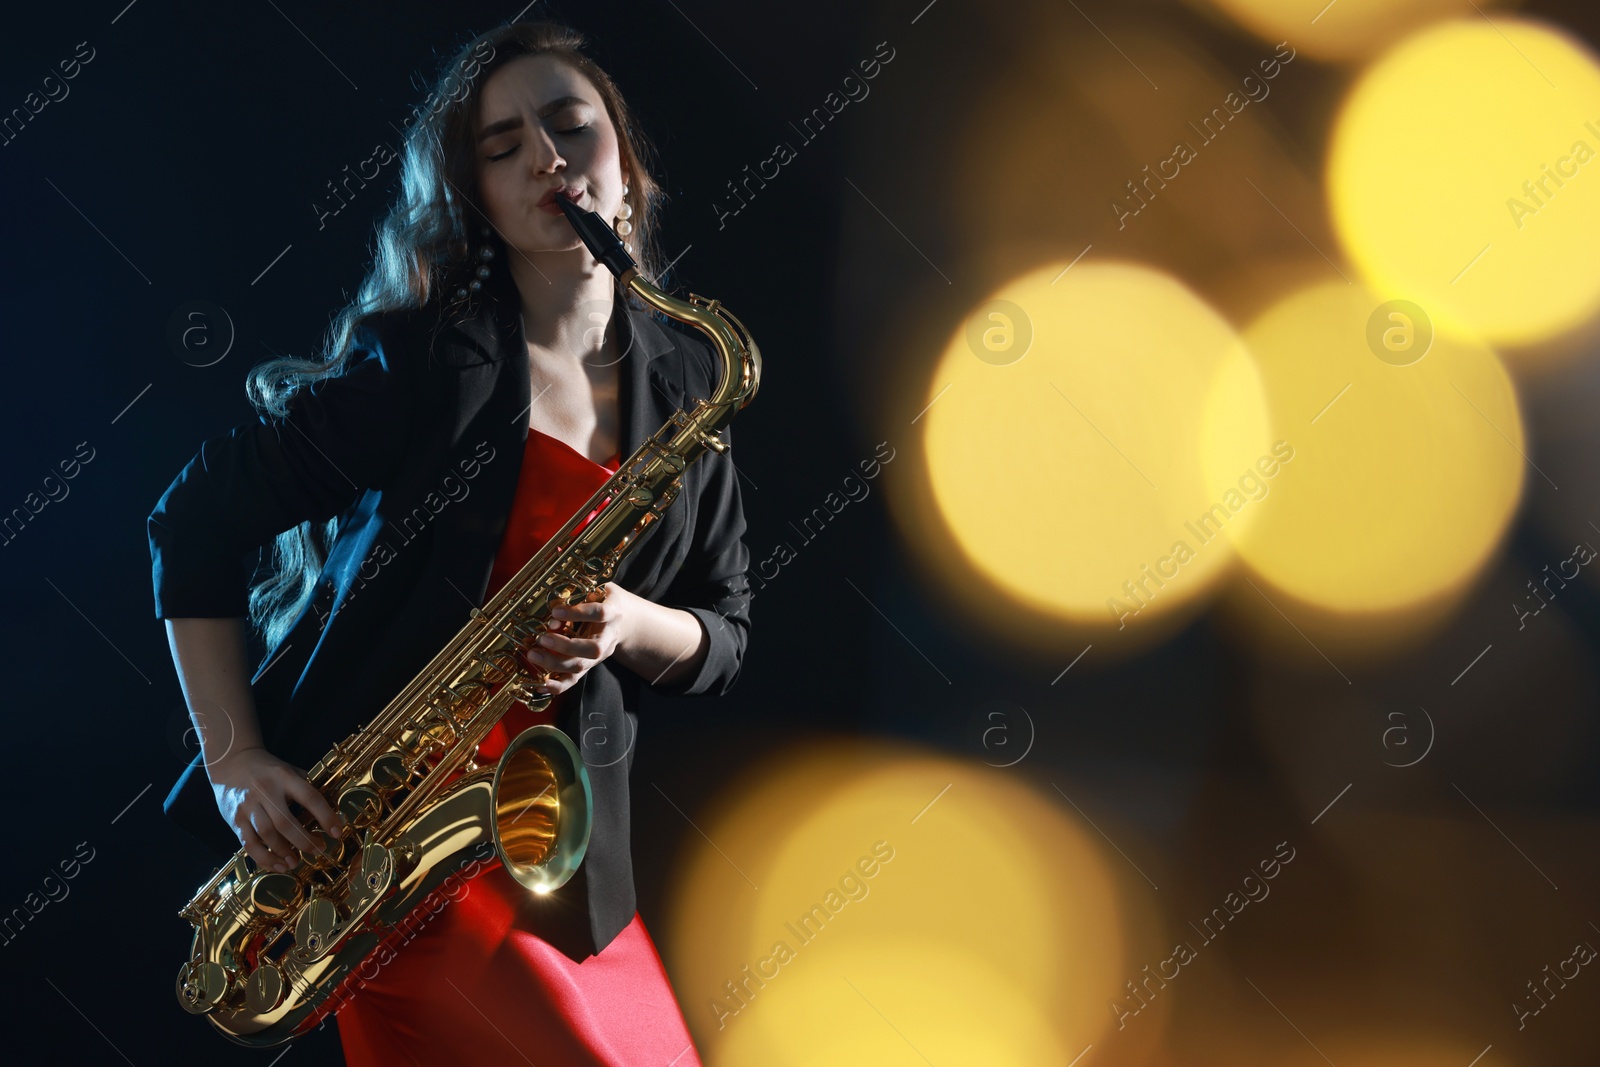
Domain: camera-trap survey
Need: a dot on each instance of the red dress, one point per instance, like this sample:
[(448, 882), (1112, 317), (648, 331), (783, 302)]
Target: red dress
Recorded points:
[(472, 987)]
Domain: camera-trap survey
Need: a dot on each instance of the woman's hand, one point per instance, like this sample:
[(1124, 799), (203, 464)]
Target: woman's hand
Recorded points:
[(254, 789), (569, 655)]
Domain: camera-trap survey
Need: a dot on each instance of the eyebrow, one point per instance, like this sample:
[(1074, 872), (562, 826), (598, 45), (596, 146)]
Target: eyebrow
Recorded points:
[(502, 125)]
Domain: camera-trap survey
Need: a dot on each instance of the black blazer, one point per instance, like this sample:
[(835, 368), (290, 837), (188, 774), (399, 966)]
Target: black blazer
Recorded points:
[(417, 446)]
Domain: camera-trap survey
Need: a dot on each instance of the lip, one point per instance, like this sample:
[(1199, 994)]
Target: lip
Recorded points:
[(547, 202)]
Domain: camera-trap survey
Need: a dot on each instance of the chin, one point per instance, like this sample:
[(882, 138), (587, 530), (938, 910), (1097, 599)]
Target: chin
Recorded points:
[(532, 243)]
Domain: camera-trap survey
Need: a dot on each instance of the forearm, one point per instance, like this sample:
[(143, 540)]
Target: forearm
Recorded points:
[(210, 658), (661, 645)]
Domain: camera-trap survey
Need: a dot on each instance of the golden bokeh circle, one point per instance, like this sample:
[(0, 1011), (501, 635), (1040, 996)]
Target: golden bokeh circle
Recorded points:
[(973, 911), (1346, 30), (1068, 477), (1463, 174), (1402, 478)]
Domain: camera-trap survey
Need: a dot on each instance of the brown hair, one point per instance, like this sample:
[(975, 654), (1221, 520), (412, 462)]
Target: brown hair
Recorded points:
[(424, 252), (456, 131)]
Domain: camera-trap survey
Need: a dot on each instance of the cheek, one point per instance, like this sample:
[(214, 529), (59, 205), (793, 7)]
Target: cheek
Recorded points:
[(604, 159), (503, 195), (492, 191), (606, 167)]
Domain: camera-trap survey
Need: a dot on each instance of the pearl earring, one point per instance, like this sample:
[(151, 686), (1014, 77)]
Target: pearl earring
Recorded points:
[(624, 213)]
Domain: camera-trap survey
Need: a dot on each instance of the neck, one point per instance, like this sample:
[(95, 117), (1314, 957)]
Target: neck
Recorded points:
[(565, 296)]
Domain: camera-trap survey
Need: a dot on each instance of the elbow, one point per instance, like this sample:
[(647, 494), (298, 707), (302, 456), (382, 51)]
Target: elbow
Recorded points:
[(731, 663), (741, 643), (727, 636), (725, 679)]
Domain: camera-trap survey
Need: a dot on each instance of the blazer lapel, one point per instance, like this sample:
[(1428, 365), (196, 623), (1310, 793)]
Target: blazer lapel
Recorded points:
[(641, 341), (492, 331)]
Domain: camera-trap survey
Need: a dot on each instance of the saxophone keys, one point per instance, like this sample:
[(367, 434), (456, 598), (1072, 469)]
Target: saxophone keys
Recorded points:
[(640, 497), (264, 990), (314, 926), (389, 771), (668, 495), (359, 806), (202, 985), (328, 856), (273, 893), (374, 872), (376, 869), (438, 736)]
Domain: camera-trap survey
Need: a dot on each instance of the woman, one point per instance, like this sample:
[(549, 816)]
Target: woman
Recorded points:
[(485, 382)]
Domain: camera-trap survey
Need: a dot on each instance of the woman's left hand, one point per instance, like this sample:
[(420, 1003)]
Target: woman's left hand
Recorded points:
[(568, 657)]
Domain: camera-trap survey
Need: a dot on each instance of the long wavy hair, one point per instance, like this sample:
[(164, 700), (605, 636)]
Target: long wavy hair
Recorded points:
[(424, 253)]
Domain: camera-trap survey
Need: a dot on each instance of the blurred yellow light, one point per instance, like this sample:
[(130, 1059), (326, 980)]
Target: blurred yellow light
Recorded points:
[(1418, 1051), (1347, 29), (990, 929), (1067, 473), (964, 1009), (1403, 477), (1236, 1036), (1462, 176)]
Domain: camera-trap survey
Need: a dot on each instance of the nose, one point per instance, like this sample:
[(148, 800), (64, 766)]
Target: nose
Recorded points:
[(544, 155)]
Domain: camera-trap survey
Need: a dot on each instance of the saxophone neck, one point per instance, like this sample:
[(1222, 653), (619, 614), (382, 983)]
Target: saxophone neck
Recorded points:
[(741, 359)]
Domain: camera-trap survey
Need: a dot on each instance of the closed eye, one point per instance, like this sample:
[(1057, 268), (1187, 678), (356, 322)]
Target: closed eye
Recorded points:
[(565, 133)]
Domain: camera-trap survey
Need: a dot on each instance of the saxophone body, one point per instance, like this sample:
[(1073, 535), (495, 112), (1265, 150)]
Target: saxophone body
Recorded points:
[(271, 949)]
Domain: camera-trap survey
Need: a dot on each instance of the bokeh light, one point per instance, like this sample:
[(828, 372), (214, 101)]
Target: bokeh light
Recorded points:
[(1403, 477), (1417, 1050), (1459, 176), (1073, 418), (1348, 29), (968, 910), (1070, 122)]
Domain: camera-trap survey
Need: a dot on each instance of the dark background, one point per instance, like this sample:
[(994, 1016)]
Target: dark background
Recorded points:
[(189, 154)]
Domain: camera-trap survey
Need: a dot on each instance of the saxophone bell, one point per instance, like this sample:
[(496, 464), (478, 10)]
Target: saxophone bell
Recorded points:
[(543, 807)]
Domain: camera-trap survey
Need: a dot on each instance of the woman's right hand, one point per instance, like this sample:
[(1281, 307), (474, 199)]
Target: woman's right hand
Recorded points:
[(254, 789)]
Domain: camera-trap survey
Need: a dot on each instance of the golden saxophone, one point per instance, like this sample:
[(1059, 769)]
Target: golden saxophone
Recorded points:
[(270, 948)]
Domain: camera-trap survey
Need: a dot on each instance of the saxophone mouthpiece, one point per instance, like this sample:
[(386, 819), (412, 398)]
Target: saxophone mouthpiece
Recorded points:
[(602, 240)]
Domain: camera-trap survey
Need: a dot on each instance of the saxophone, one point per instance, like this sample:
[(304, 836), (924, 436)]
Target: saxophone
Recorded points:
[(271, 948)]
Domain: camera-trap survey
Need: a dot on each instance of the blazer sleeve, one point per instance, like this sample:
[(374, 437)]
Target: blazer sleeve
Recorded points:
[(712, 584), (341, 436)]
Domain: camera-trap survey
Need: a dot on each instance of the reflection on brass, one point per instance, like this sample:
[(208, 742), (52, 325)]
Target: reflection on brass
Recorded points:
[(264, 990), (389, 771), (527, 827), (269, 949), (273, 893), (540, 803)]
